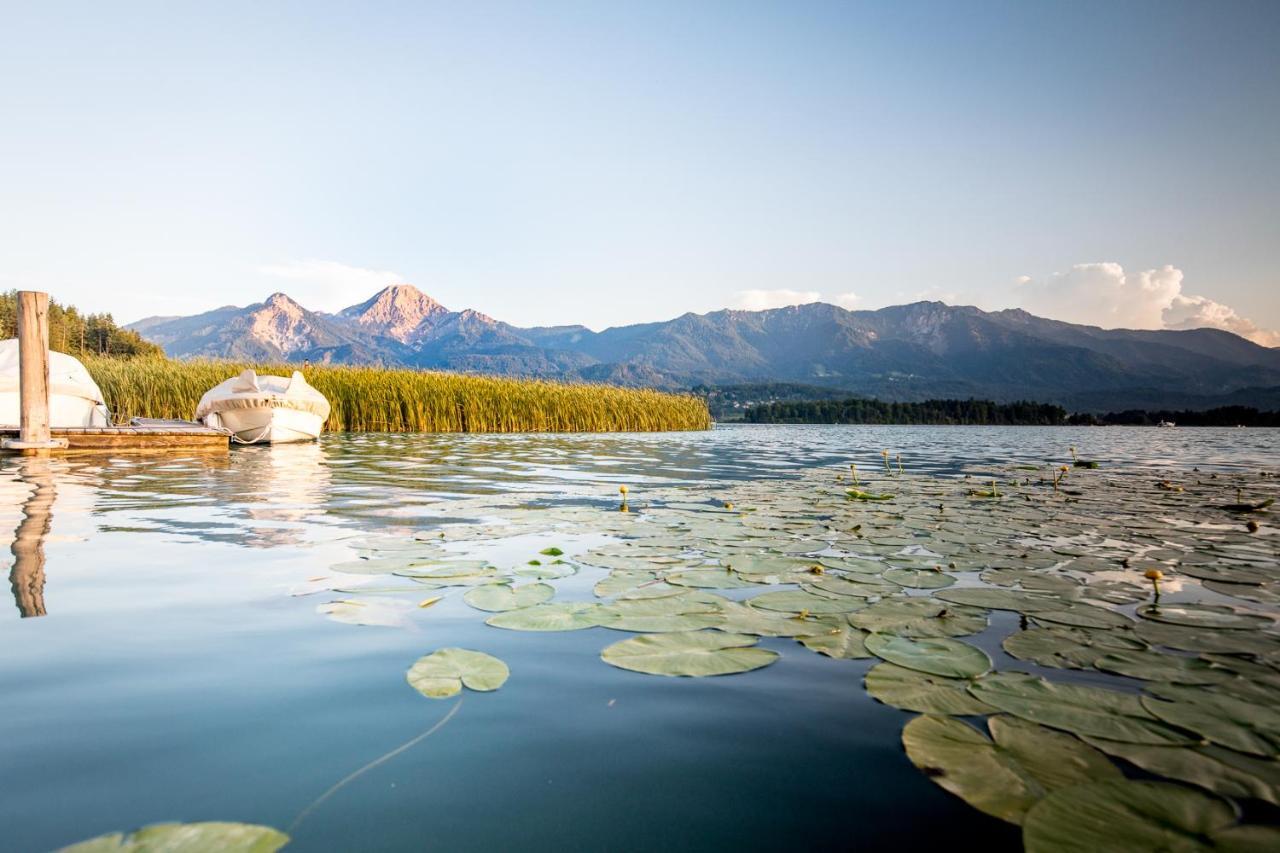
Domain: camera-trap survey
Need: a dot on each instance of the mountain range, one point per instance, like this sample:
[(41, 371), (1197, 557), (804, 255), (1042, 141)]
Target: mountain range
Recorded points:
[(905, 352)]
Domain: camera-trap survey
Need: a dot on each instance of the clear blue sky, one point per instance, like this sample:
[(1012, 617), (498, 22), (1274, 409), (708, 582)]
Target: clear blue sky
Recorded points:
[(610, 162)]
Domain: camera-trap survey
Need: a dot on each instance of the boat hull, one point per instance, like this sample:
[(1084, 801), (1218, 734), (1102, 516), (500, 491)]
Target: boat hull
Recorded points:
[(65, 410), (268, 424)]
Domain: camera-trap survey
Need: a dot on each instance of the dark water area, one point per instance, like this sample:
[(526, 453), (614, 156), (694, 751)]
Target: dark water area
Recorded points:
[(155, 666)]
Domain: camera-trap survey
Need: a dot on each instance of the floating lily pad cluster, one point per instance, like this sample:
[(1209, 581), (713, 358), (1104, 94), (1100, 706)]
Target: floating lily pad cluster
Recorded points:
[(1145, 606)]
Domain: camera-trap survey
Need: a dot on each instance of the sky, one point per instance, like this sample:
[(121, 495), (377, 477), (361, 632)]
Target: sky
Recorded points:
[(617, 162)]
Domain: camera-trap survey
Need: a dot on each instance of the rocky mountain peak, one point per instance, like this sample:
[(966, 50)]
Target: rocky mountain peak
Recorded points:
[(398, 312)]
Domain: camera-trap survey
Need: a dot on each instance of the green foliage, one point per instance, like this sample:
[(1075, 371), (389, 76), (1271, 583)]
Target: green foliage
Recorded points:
[(870, 411), (375, 399), (78, 334)]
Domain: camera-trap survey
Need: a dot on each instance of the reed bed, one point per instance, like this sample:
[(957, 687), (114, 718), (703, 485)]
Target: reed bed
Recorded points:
[(376, 399)]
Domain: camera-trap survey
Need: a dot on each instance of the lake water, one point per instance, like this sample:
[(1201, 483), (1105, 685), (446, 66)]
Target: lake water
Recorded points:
[(156, 665)]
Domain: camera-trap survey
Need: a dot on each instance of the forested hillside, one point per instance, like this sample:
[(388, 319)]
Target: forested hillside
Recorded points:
[(78, 334)]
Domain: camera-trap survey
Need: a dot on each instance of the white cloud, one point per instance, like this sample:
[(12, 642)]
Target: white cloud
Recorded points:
[(1195, 312), (329, 285), (762, 300), (1103, 294), (848, 301)]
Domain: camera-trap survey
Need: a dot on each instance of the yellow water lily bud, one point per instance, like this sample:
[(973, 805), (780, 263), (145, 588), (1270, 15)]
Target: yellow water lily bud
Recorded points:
[(1153, 574), (622, 489)]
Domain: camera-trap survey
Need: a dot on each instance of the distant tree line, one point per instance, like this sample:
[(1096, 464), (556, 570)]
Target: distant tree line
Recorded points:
[(1221, 416), (78, 334), (870, 411)]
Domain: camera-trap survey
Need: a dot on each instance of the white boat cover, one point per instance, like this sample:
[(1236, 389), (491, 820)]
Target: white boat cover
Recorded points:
[(67, 376), (251, 391)]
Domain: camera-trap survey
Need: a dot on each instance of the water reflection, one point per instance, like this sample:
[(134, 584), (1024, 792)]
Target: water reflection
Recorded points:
[(270, 496), (26, 578)]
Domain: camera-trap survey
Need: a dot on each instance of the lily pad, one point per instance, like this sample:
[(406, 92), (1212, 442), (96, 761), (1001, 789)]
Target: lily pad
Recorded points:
[(1068, 648), (187, 838), (690, 653), (912, 690), (1081, 710), (799, 601), (1237, 724), (1155, 666), (919, 578), (1203, 616), (935, 655), (684, 612), (1191, 639), (1125, 815), (1222, 771), (1076, 615), (709, 578), (919, 617), (553, 616), (1000, 599), (444, 672), (550, 571), (500, 597), (846, 643), (1006, 775)]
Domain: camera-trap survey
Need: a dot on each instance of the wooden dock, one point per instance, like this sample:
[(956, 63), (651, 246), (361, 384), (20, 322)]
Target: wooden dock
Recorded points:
[(166, 438), (33, 435)]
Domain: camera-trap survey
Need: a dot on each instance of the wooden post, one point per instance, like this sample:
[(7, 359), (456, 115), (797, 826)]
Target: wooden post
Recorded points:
[(33, 375)]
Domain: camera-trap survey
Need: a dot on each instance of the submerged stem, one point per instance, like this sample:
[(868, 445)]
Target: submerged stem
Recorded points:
[(302, 815)]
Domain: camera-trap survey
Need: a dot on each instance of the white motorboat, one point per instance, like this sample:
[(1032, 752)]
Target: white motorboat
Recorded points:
[(1167, 424), (74, 398), (259, 409)]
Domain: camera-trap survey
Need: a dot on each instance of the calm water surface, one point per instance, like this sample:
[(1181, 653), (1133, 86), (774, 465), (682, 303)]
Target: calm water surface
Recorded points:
[(155, 666)]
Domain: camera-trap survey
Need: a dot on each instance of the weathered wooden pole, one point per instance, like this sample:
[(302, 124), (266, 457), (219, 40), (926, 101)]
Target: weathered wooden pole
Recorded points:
[(33, 376)]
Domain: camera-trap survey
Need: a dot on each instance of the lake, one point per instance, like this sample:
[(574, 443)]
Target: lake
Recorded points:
[(165, 659)]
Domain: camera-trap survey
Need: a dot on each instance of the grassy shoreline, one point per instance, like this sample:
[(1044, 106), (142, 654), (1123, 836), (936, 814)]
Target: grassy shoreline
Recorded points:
[(375, 399)]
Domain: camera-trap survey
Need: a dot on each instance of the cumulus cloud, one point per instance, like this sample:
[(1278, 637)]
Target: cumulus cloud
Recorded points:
[(763, 300), (1104, 294), (1197, 312), (329, 284)]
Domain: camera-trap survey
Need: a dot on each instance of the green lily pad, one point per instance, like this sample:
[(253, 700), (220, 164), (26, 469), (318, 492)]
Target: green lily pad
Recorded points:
[(919, 578), (1249, 727), (620, 581), (1000, 599), (1076, 615), (1203, 616), (500, 597), (710, 578), (685, 612), (798, 601), (1006, 775), (935, 655), (187, 838), (912, 690), (690, 653), (444, 672), (1126, 815), (1155, 666), (553, 616), (741, 619), (1222, 771), (919, 617), (1068, 648), (845, 642), (1191, 639), (1074, 708), (550, 571)]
